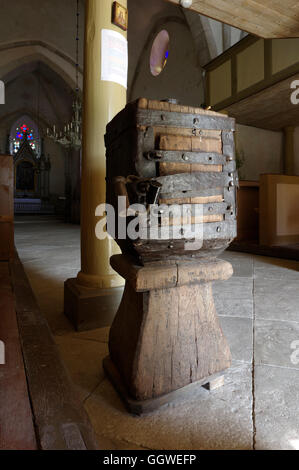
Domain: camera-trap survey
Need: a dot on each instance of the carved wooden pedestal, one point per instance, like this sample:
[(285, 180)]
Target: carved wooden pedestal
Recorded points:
[(166, 334)]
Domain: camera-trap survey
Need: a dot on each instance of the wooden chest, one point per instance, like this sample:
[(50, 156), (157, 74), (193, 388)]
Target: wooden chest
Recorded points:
[(161, 154)]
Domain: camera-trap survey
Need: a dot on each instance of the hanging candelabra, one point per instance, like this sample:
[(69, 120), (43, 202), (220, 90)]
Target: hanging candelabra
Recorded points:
[(71, 136)]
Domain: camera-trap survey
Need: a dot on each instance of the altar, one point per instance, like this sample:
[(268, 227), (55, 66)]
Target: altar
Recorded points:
[(27, 205), (32, 186)]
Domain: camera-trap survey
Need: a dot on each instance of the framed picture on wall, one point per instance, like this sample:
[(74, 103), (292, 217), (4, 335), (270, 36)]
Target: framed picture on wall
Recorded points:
[(120, 16)]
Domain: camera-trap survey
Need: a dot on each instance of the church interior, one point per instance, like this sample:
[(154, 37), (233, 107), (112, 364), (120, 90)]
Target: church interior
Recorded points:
[(145, 344)]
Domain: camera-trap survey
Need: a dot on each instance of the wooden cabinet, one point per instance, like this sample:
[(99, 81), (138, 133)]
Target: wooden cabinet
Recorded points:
[(279, 210), (6, 207)]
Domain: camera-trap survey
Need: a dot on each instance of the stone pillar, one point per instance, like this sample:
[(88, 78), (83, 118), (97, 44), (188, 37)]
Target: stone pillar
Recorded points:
[(92, 299), (76, 184), (289, 151), (68, 184)]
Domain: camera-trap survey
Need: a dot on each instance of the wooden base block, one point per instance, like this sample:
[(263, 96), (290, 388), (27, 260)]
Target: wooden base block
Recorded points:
[(215, 383), (166, 334), (139, 407), (88, 309)]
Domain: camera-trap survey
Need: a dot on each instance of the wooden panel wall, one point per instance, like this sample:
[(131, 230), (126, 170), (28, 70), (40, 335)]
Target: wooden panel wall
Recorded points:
[(261, 73)]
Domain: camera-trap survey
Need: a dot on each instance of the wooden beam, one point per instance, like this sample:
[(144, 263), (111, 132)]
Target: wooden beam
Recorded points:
[(264, 18), (270, 109), (60, 419), (16, 420)]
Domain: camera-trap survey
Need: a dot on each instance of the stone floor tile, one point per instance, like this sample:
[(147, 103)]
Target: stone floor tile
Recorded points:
[(203, 420), (240, 304), (276, 299), (274, 268), (276, 408), (242, 263), (83, 360), (113, 444), (100, 334), (238, 332), (275, 343)]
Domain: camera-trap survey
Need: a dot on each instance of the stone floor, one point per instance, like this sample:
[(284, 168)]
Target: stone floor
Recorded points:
[(259, 310)]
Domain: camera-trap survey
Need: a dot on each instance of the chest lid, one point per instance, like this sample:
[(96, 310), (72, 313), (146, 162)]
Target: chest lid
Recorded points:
[(154, 113)]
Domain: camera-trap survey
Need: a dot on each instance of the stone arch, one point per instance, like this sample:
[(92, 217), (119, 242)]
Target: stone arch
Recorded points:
[(14, 55), (49, 78), (9, 118)]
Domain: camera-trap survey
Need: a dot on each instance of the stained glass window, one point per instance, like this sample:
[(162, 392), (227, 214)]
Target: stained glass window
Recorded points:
[(24, 128)]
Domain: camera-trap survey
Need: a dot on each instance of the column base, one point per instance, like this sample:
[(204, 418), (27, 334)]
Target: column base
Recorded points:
[(87, 308), (141, 407)]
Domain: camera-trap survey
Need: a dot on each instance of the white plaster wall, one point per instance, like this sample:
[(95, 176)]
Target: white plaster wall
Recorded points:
[(262, 150)]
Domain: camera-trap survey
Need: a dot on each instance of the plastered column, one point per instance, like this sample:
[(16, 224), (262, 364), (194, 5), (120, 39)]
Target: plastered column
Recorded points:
[(91, 300), (102, 101)]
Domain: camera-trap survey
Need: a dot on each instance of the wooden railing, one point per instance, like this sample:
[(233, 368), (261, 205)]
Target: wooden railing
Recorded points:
[(248, 67)]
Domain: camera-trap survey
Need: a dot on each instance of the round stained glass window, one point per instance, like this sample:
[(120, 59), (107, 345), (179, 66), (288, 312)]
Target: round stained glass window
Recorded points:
[(159, 53)]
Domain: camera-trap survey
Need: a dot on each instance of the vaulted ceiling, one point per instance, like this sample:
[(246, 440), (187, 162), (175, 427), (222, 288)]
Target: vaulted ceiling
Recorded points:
[(264, 18)]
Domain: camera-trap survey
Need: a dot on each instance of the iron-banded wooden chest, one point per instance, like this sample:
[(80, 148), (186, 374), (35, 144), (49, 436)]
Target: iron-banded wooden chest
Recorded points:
[(161, 154)]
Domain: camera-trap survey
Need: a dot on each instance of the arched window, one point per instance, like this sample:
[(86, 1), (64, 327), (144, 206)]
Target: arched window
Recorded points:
[(25, 128)]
